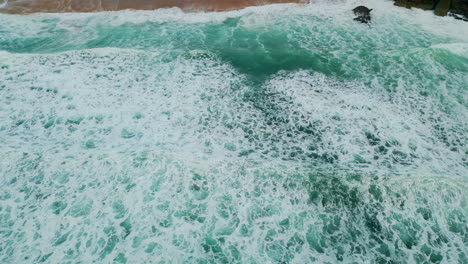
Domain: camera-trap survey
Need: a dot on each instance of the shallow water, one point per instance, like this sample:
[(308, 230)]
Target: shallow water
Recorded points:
[(277, 134)]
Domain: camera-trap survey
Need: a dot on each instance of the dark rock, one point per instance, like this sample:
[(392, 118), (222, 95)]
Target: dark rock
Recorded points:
[(442, 7), (459, 9), (362, 11), (422, 4), (363, 14), (459, 17), (455, 8)]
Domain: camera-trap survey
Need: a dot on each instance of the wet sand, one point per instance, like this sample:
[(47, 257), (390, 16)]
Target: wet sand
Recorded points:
[(56, 6)]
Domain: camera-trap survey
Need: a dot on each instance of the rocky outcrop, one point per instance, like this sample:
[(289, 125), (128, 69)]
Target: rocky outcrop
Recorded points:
[(363, 14), (456, 8), (459, 9), (442, 7), (422, 4)]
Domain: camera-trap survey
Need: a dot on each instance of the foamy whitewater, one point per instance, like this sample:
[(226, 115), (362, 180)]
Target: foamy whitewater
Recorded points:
[(275, 134)]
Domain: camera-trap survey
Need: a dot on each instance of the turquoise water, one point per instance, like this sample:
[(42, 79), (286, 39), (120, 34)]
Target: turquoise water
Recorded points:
[(277, 134)]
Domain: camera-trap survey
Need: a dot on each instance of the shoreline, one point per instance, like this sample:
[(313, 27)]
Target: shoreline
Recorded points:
[(458, 9), (24, 7)]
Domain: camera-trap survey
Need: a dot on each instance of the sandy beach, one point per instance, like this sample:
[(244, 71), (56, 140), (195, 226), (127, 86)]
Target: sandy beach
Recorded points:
[(57, 6)]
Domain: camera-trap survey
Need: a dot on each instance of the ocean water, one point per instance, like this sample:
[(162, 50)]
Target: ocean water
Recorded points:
[(275, 134)]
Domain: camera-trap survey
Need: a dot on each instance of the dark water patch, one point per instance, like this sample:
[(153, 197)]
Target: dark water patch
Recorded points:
[(385, 221)]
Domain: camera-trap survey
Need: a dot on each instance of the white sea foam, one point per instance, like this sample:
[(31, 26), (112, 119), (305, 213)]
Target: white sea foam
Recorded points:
[(128, 153), (185, 105)]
